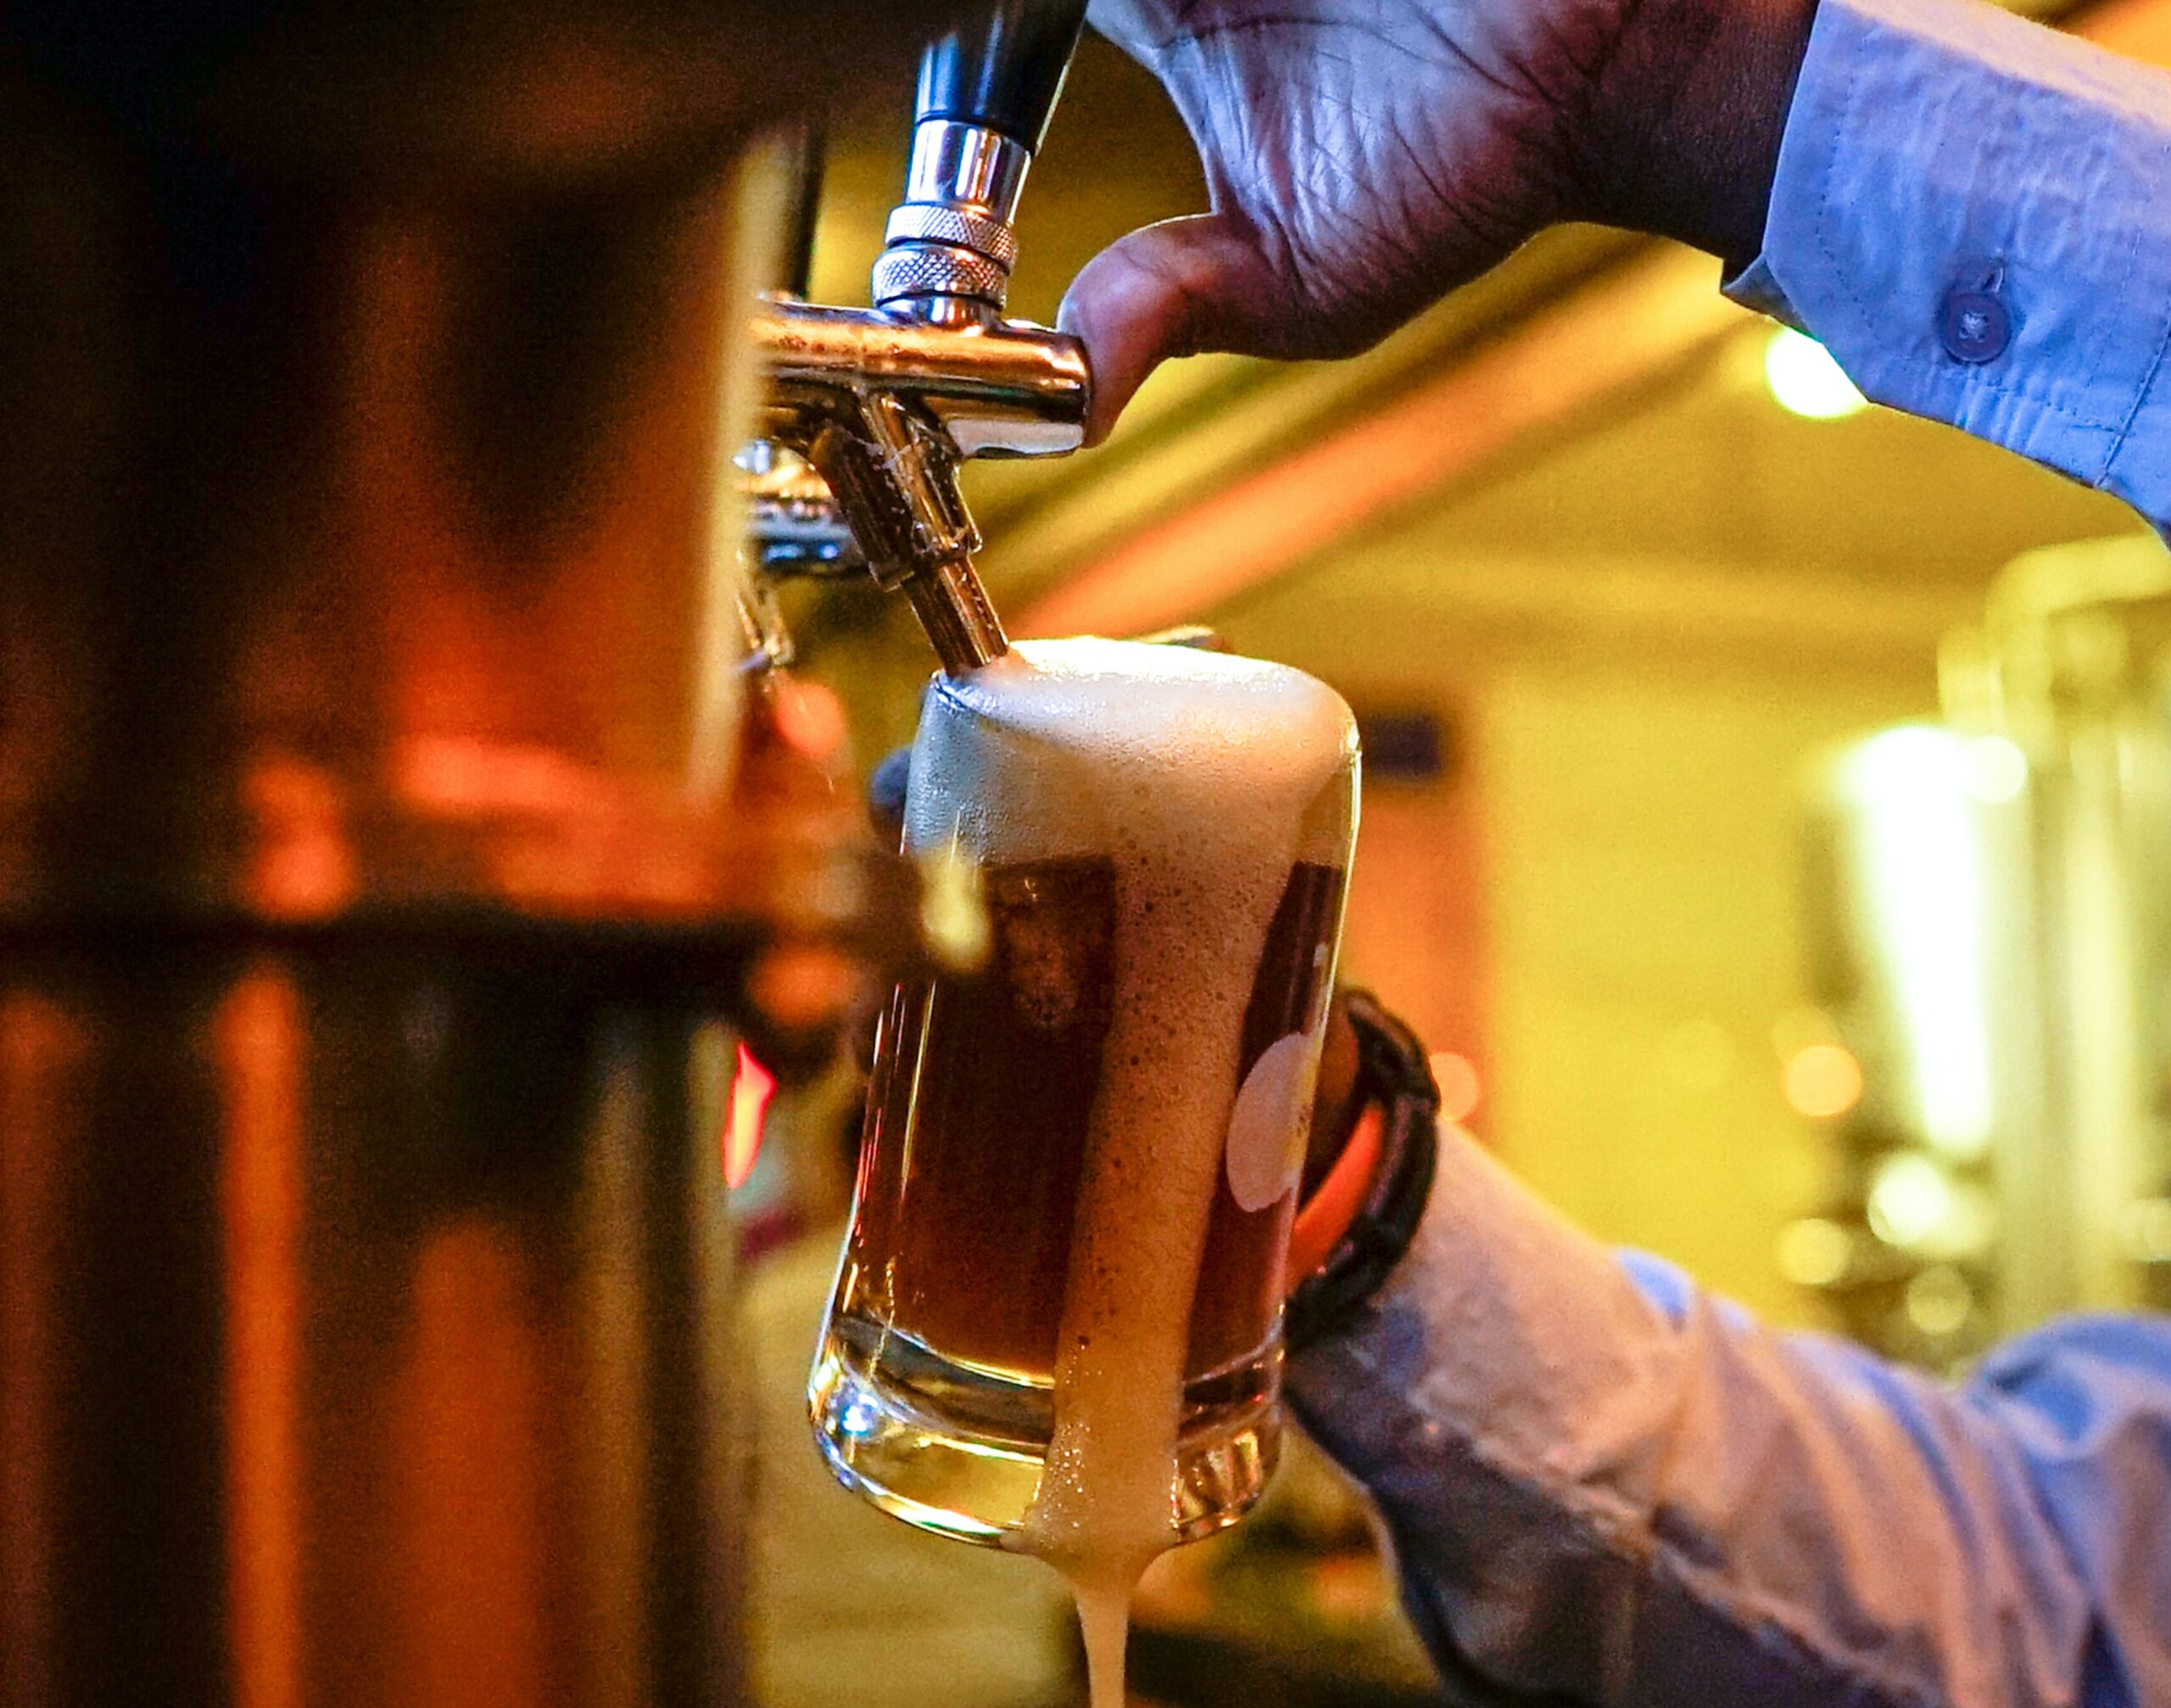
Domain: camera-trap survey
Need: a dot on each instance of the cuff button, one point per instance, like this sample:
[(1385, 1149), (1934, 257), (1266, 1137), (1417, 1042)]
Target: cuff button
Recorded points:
[(1973, 326)]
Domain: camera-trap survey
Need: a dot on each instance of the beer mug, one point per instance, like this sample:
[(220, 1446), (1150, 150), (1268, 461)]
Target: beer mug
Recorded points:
[(1078, 1166)]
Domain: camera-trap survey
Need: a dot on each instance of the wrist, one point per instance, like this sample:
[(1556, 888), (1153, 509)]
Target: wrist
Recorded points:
[(1353, 1228), (1682, 133)]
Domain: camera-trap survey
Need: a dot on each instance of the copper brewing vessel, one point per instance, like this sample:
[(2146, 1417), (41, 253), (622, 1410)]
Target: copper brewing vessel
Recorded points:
[(372, 903)]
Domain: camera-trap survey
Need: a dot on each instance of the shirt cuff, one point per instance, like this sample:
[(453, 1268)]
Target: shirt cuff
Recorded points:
[(1966, 213)]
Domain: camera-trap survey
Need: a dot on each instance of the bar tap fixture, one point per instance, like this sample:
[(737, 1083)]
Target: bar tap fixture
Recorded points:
[(886, 404)]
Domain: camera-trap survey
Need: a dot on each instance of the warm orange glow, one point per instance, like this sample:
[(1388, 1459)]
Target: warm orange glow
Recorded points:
[(1820, 1081), (304, 864), (470, 1456), (803, 984), (751, 1088), (258, 1034), (1326, 1216), (811, 719), (468, 777), (2138, 28), (39, 1076), (1460, 1089)]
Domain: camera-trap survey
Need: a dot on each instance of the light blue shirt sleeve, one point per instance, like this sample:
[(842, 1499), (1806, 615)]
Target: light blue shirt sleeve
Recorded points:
[(1973, 213), (1603, 1486)]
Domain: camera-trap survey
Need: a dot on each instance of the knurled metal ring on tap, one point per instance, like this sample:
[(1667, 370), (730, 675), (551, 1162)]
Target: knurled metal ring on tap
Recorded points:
[(939, 222), (938, 270)]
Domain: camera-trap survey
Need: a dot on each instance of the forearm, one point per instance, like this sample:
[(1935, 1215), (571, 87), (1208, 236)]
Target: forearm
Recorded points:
[(1619, 1496)]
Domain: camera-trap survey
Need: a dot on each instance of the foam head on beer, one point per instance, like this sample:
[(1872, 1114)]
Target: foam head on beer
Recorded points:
[(1068, 746)]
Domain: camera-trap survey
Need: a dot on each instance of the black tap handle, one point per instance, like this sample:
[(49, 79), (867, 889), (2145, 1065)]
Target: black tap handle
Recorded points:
[(1005, 72)]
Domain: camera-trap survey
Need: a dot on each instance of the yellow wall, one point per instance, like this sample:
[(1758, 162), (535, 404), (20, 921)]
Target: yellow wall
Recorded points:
[(1639, 810), (1644, 920)]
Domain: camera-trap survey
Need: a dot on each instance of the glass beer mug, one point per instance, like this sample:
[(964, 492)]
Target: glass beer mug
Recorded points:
[(1078, 1166)]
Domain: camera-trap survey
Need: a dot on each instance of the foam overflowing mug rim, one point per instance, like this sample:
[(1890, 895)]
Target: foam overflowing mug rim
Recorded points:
[(1218, 734)]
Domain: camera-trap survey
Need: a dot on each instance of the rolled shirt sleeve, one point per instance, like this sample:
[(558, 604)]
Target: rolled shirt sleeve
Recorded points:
[(1973, 213), (1603, 1486)]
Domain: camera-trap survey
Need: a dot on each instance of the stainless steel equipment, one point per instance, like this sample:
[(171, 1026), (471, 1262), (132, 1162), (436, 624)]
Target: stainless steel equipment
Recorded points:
[(886, 403), (1994, 930)]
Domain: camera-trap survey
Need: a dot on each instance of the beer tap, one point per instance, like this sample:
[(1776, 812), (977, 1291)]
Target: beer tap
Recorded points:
[(885, 403)]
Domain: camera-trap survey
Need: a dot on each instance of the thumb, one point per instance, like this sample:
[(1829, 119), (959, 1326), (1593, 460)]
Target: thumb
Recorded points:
[(1174, 289)]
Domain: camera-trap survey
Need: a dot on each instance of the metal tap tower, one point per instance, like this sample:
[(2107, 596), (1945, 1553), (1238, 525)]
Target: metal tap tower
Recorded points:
[(886, 404)]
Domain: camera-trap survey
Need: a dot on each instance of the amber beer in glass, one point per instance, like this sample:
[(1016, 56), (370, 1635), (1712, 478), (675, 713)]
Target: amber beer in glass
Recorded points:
[(1091, 1146)]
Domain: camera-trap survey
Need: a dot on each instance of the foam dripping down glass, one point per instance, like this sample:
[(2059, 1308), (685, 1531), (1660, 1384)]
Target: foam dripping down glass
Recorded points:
[(1057, 1322)]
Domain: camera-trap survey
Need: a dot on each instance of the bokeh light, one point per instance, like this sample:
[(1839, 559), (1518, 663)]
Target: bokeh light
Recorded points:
[(1921, 875), (1815, 1252), (1460, 1089), (1806, 380), (1820, 1081), (751, 1088), (1997, 769), (1938, 1302), (1908, 1199)]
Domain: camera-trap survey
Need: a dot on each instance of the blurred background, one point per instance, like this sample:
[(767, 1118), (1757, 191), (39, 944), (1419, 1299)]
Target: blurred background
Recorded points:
[(1763, 811)]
